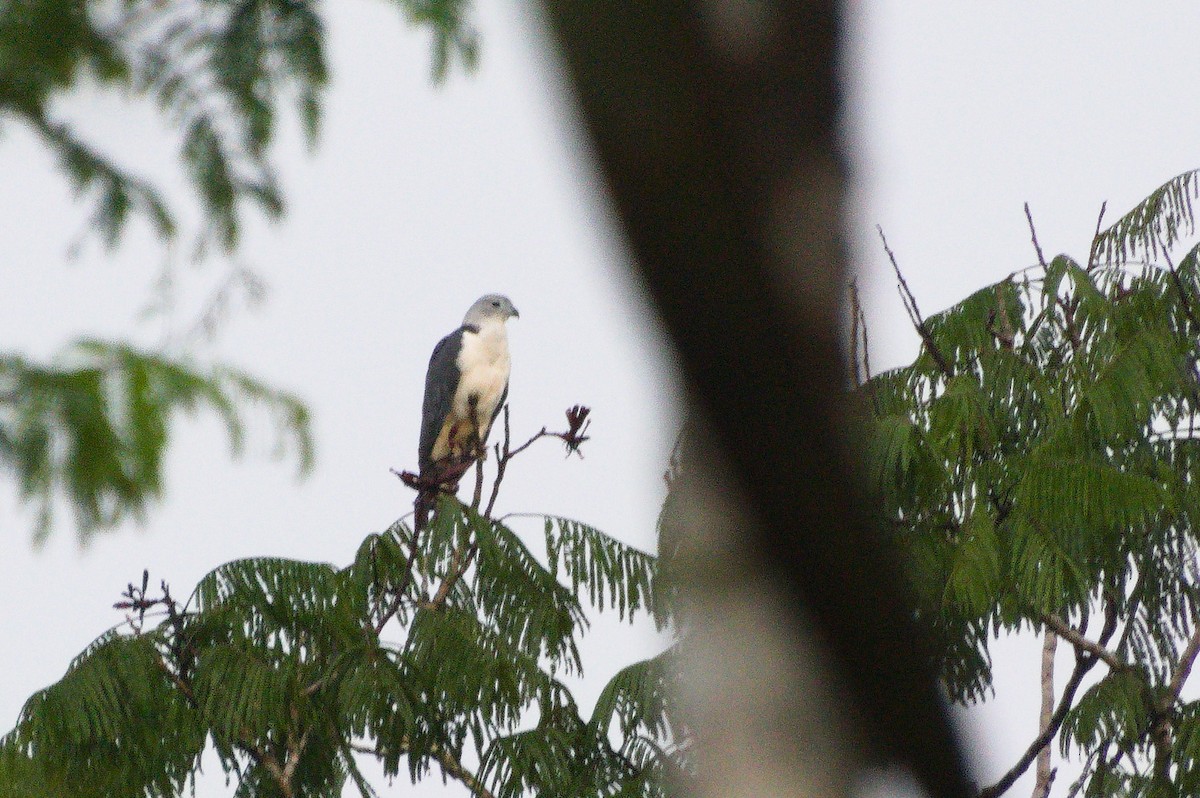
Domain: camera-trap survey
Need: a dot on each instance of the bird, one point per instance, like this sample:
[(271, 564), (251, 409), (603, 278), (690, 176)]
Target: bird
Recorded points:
[(466, 384)]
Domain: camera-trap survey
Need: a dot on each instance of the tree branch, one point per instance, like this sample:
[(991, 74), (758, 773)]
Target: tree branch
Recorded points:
[(406, 580), (1084, 662), (1033, 235), (1006, 335), (460, 561), (914, 313), (295, 750), (478, 495), (1182, 672), (279, 772), (1045, 774), (502, 458), (451, 766), (1095, 250), (574, 437), (1072, 636), (1082, 666), (858, 322)]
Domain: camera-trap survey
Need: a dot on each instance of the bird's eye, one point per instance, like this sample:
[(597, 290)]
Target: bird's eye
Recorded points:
[(495, 304)]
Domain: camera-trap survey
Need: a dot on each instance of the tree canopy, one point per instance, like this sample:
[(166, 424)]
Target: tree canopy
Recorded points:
[(438, 651), (1039, 464), (444, 651)]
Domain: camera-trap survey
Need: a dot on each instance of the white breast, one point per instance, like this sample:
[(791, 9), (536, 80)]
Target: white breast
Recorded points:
[(484, 364)]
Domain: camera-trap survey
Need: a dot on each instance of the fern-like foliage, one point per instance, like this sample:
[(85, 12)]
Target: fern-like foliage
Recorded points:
[(437, 653), (220, 72), (93, 426), (1154, 225), (1047, 474)]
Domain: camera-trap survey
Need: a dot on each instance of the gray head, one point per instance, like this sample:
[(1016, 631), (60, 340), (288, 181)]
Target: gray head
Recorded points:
[(490, 306)]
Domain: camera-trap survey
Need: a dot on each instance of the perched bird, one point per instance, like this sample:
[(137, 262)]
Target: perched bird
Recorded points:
[(465, 386)]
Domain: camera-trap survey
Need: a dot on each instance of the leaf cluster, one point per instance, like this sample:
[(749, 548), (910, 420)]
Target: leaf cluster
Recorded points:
[(440, 654), (1038, 463), (92, 427)]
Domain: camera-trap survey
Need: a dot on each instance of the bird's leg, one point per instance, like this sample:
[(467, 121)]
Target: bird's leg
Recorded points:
[(475, 447)]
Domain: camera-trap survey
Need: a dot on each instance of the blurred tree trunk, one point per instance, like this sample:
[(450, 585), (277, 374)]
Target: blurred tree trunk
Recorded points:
[(715, 126)]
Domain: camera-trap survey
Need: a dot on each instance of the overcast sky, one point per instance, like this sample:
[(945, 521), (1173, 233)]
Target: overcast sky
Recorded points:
[(419, 199)]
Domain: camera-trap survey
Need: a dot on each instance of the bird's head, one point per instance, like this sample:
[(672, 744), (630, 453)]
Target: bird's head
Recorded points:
[(491, 306)]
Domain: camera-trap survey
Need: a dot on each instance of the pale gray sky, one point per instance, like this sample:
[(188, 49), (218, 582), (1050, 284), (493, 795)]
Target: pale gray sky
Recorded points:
[(420, 199)]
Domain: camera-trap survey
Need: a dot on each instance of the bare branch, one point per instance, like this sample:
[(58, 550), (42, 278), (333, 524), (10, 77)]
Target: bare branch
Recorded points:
[(854, 315), (1082, 666), (1033, 235), (502, 458), (573, 437), (1085, 771), (479, 481), (854, 363), (1045, 774), (914, 313), (1084, 662), (866, 345), (450, 765), (1095, 251), (1072, 636)]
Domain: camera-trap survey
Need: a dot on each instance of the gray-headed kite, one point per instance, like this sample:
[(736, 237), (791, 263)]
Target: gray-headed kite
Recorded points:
[(465, 387)]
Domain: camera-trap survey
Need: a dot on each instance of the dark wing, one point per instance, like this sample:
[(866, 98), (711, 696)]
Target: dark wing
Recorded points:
[(441, 380)]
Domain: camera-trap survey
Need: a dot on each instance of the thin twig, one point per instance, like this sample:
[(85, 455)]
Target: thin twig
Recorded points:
[(1085, 771), (914, 313), (478, 483), (1033, 235), (858, 332), (502, 458), (1095, 251), (405, 581)]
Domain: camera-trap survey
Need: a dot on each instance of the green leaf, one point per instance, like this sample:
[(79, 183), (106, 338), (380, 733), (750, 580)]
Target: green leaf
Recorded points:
[(1154, 224), (616, 575), (95, 426)]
